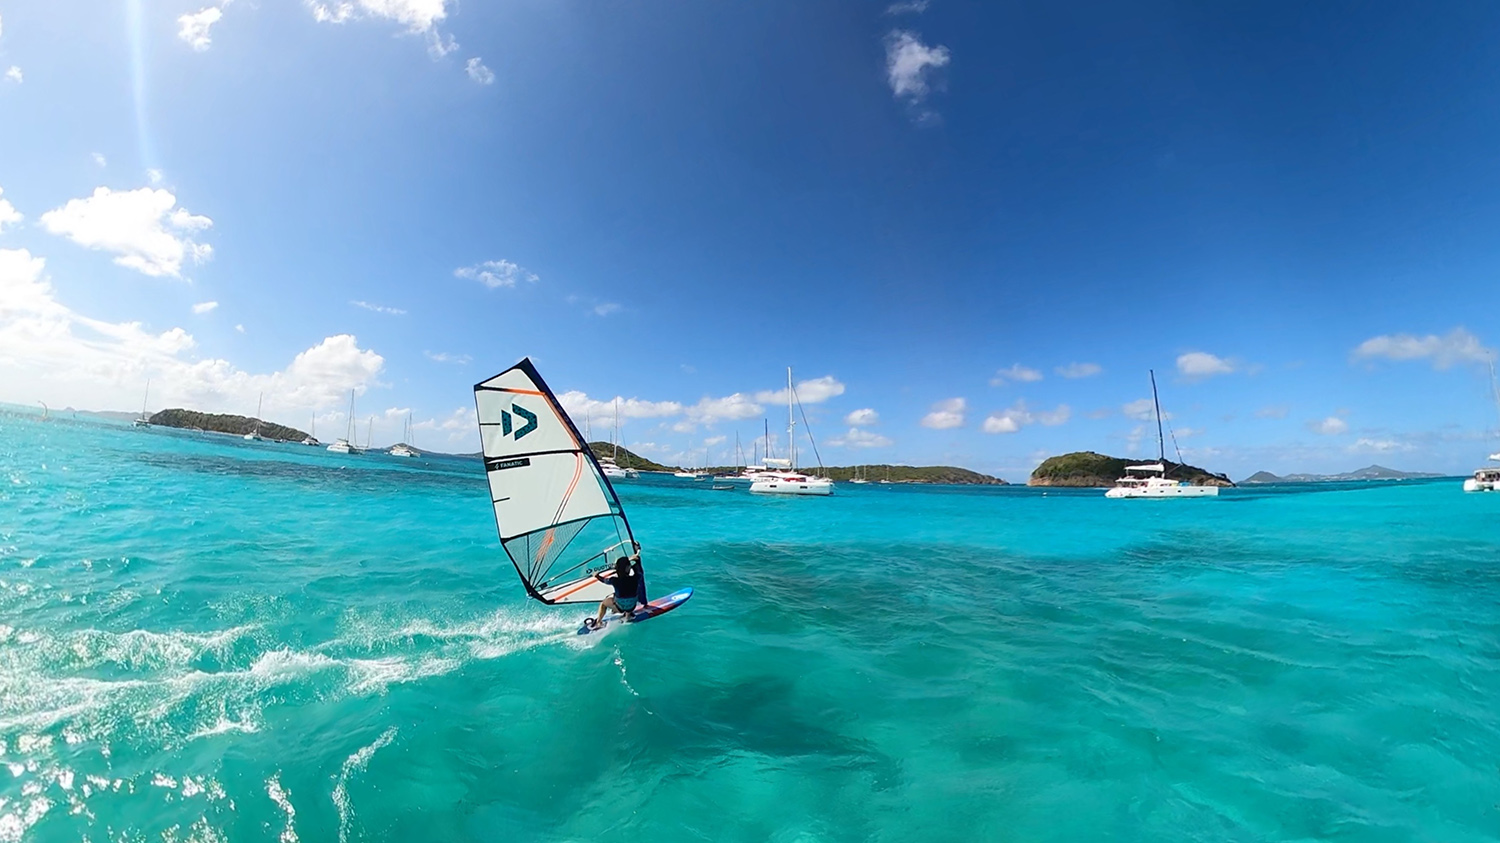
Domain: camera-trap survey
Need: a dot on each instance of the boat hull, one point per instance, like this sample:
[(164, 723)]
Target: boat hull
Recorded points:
[(1164, 492), (786, 486)]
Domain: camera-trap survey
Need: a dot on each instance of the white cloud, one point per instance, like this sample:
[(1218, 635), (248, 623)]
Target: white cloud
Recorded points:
[(814, 391), (240, 328), (417, 16), (1053, 418), (8, 213), (204, 307), (1331, 426), (857, 438), (492, 274), (1001, 423), (1017, 416), (14, 75), (580, 406), (389, 311), (1079, 370), (478, 72), (1276, 411), (734, 407), (1187, 432), (606, 308), (444, 357), (1457, 346), (193, 28), (1015, 374), (907, 65), (144, 228), (1201, 364), (1141, 409), (1380, 446), (862, 418), (909, 7), (154, 175), (50, 352), (100, 159), (946, 414)]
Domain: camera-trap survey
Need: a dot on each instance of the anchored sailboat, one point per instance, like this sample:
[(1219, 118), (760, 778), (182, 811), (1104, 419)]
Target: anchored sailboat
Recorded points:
[(347, 444), (1487, 479), (144, 420), (1150, 481), (784, 478), (254, 435), (404, 448), (559, 519)]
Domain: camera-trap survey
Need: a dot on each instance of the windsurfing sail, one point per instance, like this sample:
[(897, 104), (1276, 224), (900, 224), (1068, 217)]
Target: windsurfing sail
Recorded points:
[(559, 519)]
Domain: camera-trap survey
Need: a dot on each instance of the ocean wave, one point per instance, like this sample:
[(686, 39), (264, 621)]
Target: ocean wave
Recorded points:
[(355, 763)]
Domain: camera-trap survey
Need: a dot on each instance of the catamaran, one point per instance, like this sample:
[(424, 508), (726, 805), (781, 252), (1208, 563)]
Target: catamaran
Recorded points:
[(559, 519), (1150, 481), (310, 438), (254, 435), (783, 478), (143, 421), (402, 448), (347, 444), (1487, 479), (608, 464)]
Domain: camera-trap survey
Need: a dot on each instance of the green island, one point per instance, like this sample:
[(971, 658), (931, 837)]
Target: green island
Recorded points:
[(224, 423), (1088, 469)]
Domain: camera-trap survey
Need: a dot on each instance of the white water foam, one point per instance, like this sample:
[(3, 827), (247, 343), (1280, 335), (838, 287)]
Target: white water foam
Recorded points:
[(284, 801), (355, 763)]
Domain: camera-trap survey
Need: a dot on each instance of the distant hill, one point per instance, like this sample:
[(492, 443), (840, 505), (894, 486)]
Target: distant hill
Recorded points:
[(1089, 469), (224, 423), (1373, 472)]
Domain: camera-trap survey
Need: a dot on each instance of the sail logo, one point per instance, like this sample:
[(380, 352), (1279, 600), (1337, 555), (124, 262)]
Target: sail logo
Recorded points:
[(506, 424)]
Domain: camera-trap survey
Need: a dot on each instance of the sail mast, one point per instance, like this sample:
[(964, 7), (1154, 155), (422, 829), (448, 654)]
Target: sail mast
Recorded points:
[(791, 422), (1161, 445), (147, 398)]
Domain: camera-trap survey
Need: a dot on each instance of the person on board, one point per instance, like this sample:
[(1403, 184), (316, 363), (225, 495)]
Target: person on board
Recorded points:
[(629, 582)]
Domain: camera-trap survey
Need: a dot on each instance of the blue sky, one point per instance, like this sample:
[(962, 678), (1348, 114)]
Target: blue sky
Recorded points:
[(971, 227)]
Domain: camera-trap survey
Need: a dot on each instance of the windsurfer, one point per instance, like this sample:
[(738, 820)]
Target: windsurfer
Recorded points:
[(629, 582)]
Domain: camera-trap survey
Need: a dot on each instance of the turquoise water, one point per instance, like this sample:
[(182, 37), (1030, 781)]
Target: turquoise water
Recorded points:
[(208, 639)]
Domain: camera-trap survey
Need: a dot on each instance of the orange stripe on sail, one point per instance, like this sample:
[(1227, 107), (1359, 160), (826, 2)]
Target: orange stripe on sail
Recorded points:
[(582, 584), (535, 392)]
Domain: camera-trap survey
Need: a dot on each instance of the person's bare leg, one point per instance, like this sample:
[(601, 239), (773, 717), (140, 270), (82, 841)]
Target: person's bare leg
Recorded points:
[(605, 605)]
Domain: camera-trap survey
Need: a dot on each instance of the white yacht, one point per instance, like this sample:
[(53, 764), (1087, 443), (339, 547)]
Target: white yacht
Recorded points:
[(347, 444), (783, 478), (143, 421), (254, 435), (1486, 479), (612, 469), (310, 438), (402, 449), (1150, 480), (859, 478)]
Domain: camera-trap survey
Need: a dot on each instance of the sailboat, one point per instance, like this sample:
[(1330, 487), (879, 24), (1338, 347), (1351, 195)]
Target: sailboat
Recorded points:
[(404, 448), (1150, 481), (346, 445), (559, 519), (1487, 479), (609, 465), (859, 476), (144, 420), (254, 435), (312, 429), (783, 478)]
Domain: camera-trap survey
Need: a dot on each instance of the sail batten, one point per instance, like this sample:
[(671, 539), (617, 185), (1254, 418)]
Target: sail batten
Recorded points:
[(556, 513)]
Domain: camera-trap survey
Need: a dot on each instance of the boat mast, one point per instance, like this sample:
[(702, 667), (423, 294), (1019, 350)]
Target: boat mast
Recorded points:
[(1161, 444), (350, 432), (147, 397), (791, 422)]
